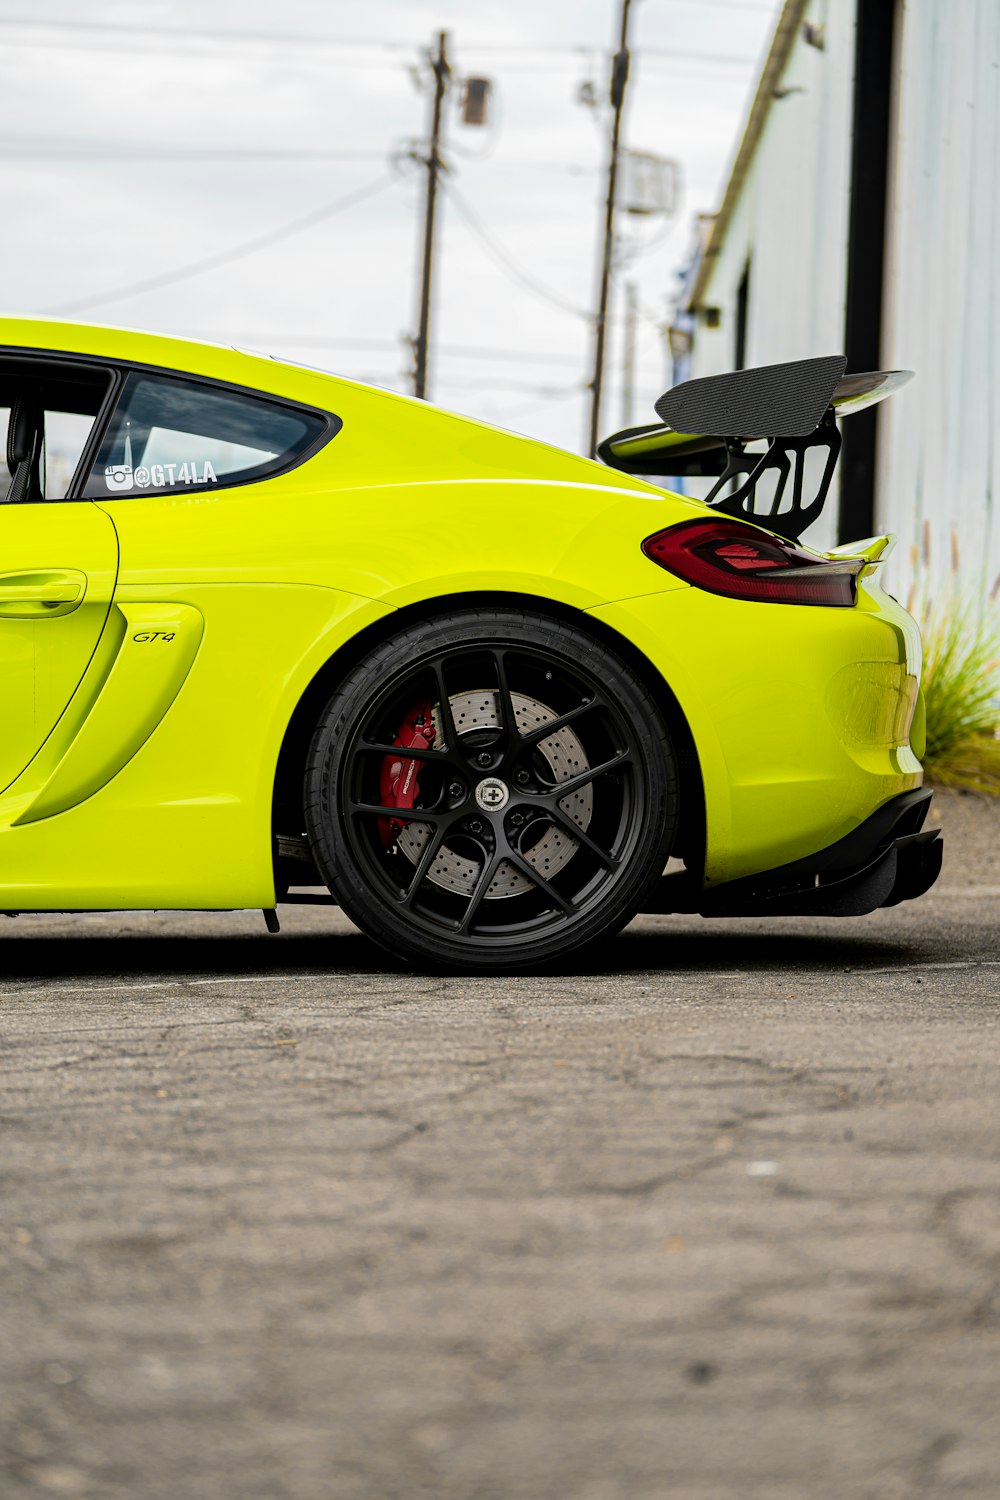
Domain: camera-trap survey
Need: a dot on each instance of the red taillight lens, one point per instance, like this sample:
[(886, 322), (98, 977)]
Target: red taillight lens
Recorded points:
[(726, 557)]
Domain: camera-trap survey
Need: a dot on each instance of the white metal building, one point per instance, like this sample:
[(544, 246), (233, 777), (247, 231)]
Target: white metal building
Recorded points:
[(862, 215)]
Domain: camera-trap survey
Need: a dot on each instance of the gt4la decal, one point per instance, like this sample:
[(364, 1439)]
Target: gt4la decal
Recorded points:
[(161, 476)]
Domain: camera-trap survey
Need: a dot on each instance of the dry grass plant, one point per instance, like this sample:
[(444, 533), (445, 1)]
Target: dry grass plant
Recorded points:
[(961, 679)]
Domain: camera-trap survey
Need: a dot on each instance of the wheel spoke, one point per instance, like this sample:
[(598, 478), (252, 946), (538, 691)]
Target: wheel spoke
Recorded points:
[(563, 788), (411, 752), (505, 703), (401, 814), (444, 707), (539, 880), (483, 882), (430, 852), (580, 836), (542, 731)]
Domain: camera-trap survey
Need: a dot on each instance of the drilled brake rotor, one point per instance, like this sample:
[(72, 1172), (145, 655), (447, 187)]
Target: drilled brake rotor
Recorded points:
[(564, 757)]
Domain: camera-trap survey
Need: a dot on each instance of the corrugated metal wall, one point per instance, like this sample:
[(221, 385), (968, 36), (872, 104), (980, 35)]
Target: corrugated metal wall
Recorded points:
[(939, 440), (792, 214), (938, 482)]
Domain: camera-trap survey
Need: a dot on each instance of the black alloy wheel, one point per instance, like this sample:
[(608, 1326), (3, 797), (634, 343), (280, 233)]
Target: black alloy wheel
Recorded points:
[(490, 790)]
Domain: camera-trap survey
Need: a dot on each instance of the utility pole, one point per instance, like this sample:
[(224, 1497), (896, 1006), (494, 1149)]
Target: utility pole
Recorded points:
[(435, 165), (619, 78), (628, 359)]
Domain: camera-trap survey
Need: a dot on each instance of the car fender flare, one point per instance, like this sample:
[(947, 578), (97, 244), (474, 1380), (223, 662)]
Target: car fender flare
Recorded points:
[(321, 671)]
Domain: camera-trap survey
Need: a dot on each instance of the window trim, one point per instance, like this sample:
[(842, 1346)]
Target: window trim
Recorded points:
[(92, 446), (120, 370)]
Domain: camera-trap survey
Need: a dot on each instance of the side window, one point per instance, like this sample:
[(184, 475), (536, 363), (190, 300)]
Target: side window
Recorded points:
[(168, 433), (66, 434), (47, 411)]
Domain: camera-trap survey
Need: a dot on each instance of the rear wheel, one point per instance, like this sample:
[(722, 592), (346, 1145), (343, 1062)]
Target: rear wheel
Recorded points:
[(489, 790)]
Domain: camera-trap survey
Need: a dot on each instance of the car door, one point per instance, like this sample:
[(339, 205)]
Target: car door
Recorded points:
[(58, 557)]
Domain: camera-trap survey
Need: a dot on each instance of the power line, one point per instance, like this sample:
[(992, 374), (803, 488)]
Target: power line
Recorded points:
[(71, 148), (503, 259), (455, 351), (186, 35), (656, 66), (509, 412), (494, 383), (225, 257), (484, 383)]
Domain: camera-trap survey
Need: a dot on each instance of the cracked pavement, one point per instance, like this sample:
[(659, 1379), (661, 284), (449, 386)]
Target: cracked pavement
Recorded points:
[(717, 1218)]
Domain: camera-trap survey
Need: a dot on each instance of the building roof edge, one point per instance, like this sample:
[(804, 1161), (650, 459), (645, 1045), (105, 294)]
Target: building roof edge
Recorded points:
[(785, 32)]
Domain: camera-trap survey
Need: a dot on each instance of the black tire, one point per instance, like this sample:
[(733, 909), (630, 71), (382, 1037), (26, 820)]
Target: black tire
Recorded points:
[(534, 840)]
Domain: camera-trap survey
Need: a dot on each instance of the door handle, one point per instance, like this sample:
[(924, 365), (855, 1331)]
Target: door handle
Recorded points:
[(40, 596), (40, 593)]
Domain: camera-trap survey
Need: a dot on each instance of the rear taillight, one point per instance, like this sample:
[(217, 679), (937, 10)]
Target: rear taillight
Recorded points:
[(726, 557)]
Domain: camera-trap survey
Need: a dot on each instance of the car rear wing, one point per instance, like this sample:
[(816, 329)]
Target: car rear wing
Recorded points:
[(706, 426)]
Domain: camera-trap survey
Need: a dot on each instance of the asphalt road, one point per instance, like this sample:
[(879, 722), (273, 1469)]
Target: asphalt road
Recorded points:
[(720, 1221)]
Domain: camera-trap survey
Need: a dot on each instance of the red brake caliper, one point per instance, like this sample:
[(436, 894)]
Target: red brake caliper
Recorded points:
[(399, 785)]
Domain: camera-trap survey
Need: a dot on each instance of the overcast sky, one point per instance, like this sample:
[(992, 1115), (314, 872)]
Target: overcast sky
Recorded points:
[(142, 138)]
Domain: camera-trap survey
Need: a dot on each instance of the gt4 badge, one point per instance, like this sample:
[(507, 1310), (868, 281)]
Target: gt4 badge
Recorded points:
[(142, 636)]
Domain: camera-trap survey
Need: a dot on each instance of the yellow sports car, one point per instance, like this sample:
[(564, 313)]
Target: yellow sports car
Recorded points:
[(268, 636)]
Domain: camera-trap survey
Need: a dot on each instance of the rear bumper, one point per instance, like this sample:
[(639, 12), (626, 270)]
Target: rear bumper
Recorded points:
[(800, 716), (887, 859)]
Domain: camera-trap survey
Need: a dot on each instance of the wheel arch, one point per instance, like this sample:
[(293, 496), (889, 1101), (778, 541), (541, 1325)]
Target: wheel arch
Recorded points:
[(287, 816)]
